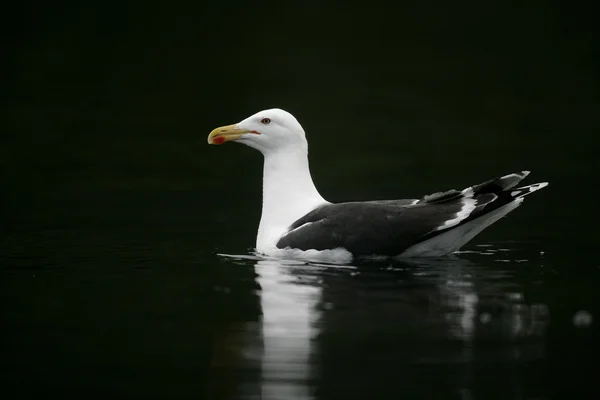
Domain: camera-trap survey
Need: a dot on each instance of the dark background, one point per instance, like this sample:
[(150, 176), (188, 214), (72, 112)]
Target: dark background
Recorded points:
[(105, 170)]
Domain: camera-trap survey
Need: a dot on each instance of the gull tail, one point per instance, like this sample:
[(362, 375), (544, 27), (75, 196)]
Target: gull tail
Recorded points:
[(482, 205)]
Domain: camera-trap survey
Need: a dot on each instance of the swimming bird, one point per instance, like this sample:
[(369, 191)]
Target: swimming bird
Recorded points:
[(297, 222)]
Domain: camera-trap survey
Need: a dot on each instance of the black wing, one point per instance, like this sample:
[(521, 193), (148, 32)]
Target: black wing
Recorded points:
[(390, 227)]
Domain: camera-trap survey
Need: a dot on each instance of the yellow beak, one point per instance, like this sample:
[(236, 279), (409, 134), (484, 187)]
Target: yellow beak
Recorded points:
[(225, 134)]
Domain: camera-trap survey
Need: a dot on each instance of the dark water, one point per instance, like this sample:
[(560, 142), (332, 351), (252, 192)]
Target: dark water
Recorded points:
[(114, 209)]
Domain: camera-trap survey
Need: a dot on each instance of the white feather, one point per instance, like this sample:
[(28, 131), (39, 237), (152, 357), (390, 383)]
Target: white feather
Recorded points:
[(332, 256), (288, 194), (469, 204)]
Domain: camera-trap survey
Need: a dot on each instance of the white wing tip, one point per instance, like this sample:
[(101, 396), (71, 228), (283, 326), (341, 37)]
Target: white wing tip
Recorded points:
[(538, 186), (525, 190)]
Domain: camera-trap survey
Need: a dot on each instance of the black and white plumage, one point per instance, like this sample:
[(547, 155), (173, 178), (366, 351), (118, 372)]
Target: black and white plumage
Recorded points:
[(391, 228), (297, 222)]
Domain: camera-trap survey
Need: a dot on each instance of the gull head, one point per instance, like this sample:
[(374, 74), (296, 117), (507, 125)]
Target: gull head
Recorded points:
[(267, 131)]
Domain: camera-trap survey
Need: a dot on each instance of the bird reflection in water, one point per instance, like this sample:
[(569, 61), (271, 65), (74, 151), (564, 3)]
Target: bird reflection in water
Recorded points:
[(377, 329)]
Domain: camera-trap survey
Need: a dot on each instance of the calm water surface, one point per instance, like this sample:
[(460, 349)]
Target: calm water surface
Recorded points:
[(147, 312), (485, 324)]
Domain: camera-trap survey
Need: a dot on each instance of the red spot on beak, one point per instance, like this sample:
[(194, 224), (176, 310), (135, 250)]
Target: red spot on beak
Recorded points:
[(219, 140)]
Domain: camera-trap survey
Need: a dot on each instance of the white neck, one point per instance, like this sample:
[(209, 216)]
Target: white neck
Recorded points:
[(288, 194)]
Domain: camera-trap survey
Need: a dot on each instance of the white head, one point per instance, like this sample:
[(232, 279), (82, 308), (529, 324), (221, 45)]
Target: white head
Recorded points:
[(267, 131)]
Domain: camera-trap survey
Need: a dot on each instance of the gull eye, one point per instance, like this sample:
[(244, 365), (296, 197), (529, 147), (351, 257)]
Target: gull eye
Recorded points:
[(265, 121)]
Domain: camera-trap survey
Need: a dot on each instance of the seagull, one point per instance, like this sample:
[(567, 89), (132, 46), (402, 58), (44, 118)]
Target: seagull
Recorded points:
[(297, 222)]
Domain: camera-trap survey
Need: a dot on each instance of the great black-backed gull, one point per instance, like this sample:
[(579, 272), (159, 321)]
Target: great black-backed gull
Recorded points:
[(296, 221)]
